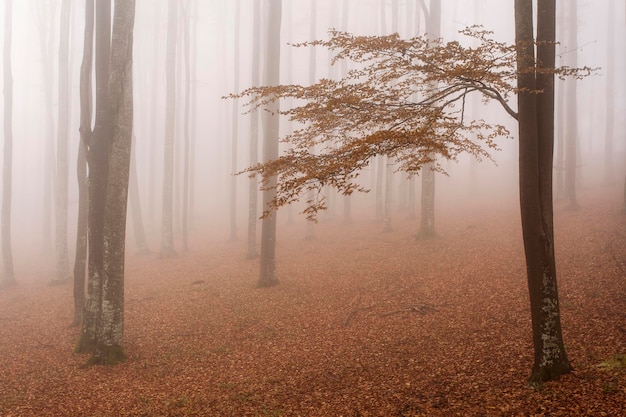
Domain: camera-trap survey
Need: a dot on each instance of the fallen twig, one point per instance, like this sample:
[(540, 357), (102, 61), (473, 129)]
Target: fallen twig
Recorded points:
[(353, 312)]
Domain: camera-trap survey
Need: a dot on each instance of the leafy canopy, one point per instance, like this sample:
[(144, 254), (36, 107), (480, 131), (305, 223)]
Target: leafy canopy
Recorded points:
[(404, 99)]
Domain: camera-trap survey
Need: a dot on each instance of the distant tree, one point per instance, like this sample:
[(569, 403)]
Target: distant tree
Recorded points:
[(167, 227), (139, 232), (62, 163), (254, 133), (8, 277), (609, 170), (86, 111), (271, 73), (372, 111), (186, 164), (45, 13), (235, 126), (571, 110), (310, 225)]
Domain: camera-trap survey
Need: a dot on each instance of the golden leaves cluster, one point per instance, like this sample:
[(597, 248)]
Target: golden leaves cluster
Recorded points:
[(404, 98)]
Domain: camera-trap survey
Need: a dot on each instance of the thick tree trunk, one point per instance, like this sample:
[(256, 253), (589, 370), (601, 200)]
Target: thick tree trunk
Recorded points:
[(167, 227), (8, 277), (62, 165), (536, 140), (267, 274), (80, 260)]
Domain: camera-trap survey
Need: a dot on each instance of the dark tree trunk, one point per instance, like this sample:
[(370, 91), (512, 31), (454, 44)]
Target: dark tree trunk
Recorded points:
[(97, 159), (8, 277), (267, 274), (110, 334), (536, 141), (80, 260)]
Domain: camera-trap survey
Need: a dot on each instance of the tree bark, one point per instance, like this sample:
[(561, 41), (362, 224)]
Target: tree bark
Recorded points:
[(185, 197), (571, 139), (141, 245), (536, 141), (609, 171), (235, 128), (110, 334), (8, 277), (97, 159), (267, 275), (80, 260)]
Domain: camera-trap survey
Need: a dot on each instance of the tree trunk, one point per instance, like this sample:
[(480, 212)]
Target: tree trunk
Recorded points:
[(254, 133), (167, 232), (536, 141), (8, 277), (571, 139), (267, 275), (185, 198), (110, 333), (97, 159), (609, 171), (310, 225), (135, 206), (62, 165), (235, 128), (80, 260)]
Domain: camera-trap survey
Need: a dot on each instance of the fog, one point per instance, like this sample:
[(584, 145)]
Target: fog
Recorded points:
[(212, 24)]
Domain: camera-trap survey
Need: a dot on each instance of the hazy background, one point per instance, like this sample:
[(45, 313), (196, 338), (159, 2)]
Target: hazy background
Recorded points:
[(213, 39)]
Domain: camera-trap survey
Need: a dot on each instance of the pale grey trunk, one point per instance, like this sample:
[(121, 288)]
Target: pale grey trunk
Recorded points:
[(167, 227), (141, 245), (254, 134), (310, 225), (267, 274), (8, 277), (609, 171), (185, 197), (234, 141), (62, 165), (571, 139)]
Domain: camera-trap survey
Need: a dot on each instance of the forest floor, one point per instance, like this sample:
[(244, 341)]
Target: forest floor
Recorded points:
[(363, 323)]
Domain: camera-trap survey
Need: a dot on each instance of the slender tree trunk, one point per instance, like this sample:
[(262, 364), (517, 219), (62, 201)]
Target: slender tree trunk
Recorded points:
[(62, 165), (267, 275), (8, 277), (310, 225), (536, 141), (185, 202), (235, 128), (167, 237), (609, 171), (427, 215), (193, 111), (135, 205), (80, 260), (571, 140), (97, 159), (254, 133)]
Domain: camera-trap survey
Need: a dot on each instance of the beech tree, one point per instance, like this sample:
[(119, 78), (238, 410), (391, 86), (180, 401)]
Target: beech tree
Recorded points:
[(109, 162), (406, 99)]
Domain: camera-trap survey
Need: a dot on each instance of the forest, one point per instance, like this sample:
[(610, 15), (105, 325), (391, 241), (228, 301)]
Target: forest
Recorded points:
[(313, 208)]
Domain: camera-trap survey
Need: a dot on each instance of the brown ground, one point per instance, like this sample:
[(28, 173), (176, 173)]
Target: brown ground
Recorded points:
[(362, 324)]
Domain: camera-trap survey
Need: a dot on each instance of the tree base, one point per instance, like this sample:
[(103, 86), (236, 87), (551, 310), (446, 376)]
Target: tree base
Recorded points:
[(544, 374), (108, 356), (267, 283), (85, 345)]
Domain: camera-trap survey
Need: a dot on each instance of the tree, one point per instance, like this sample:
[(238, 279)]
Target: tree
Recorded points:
[(167, 226), (267, 274), (62, 163), (536, 142), (571, 139), (109, 162), (235, 127), (80, 259), (373, 112), (8, 277), (609, 171)]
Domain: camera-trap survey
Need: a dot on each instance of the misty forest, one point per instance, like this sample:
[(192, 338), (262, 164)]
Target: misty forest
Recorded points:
[(313, 208)]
